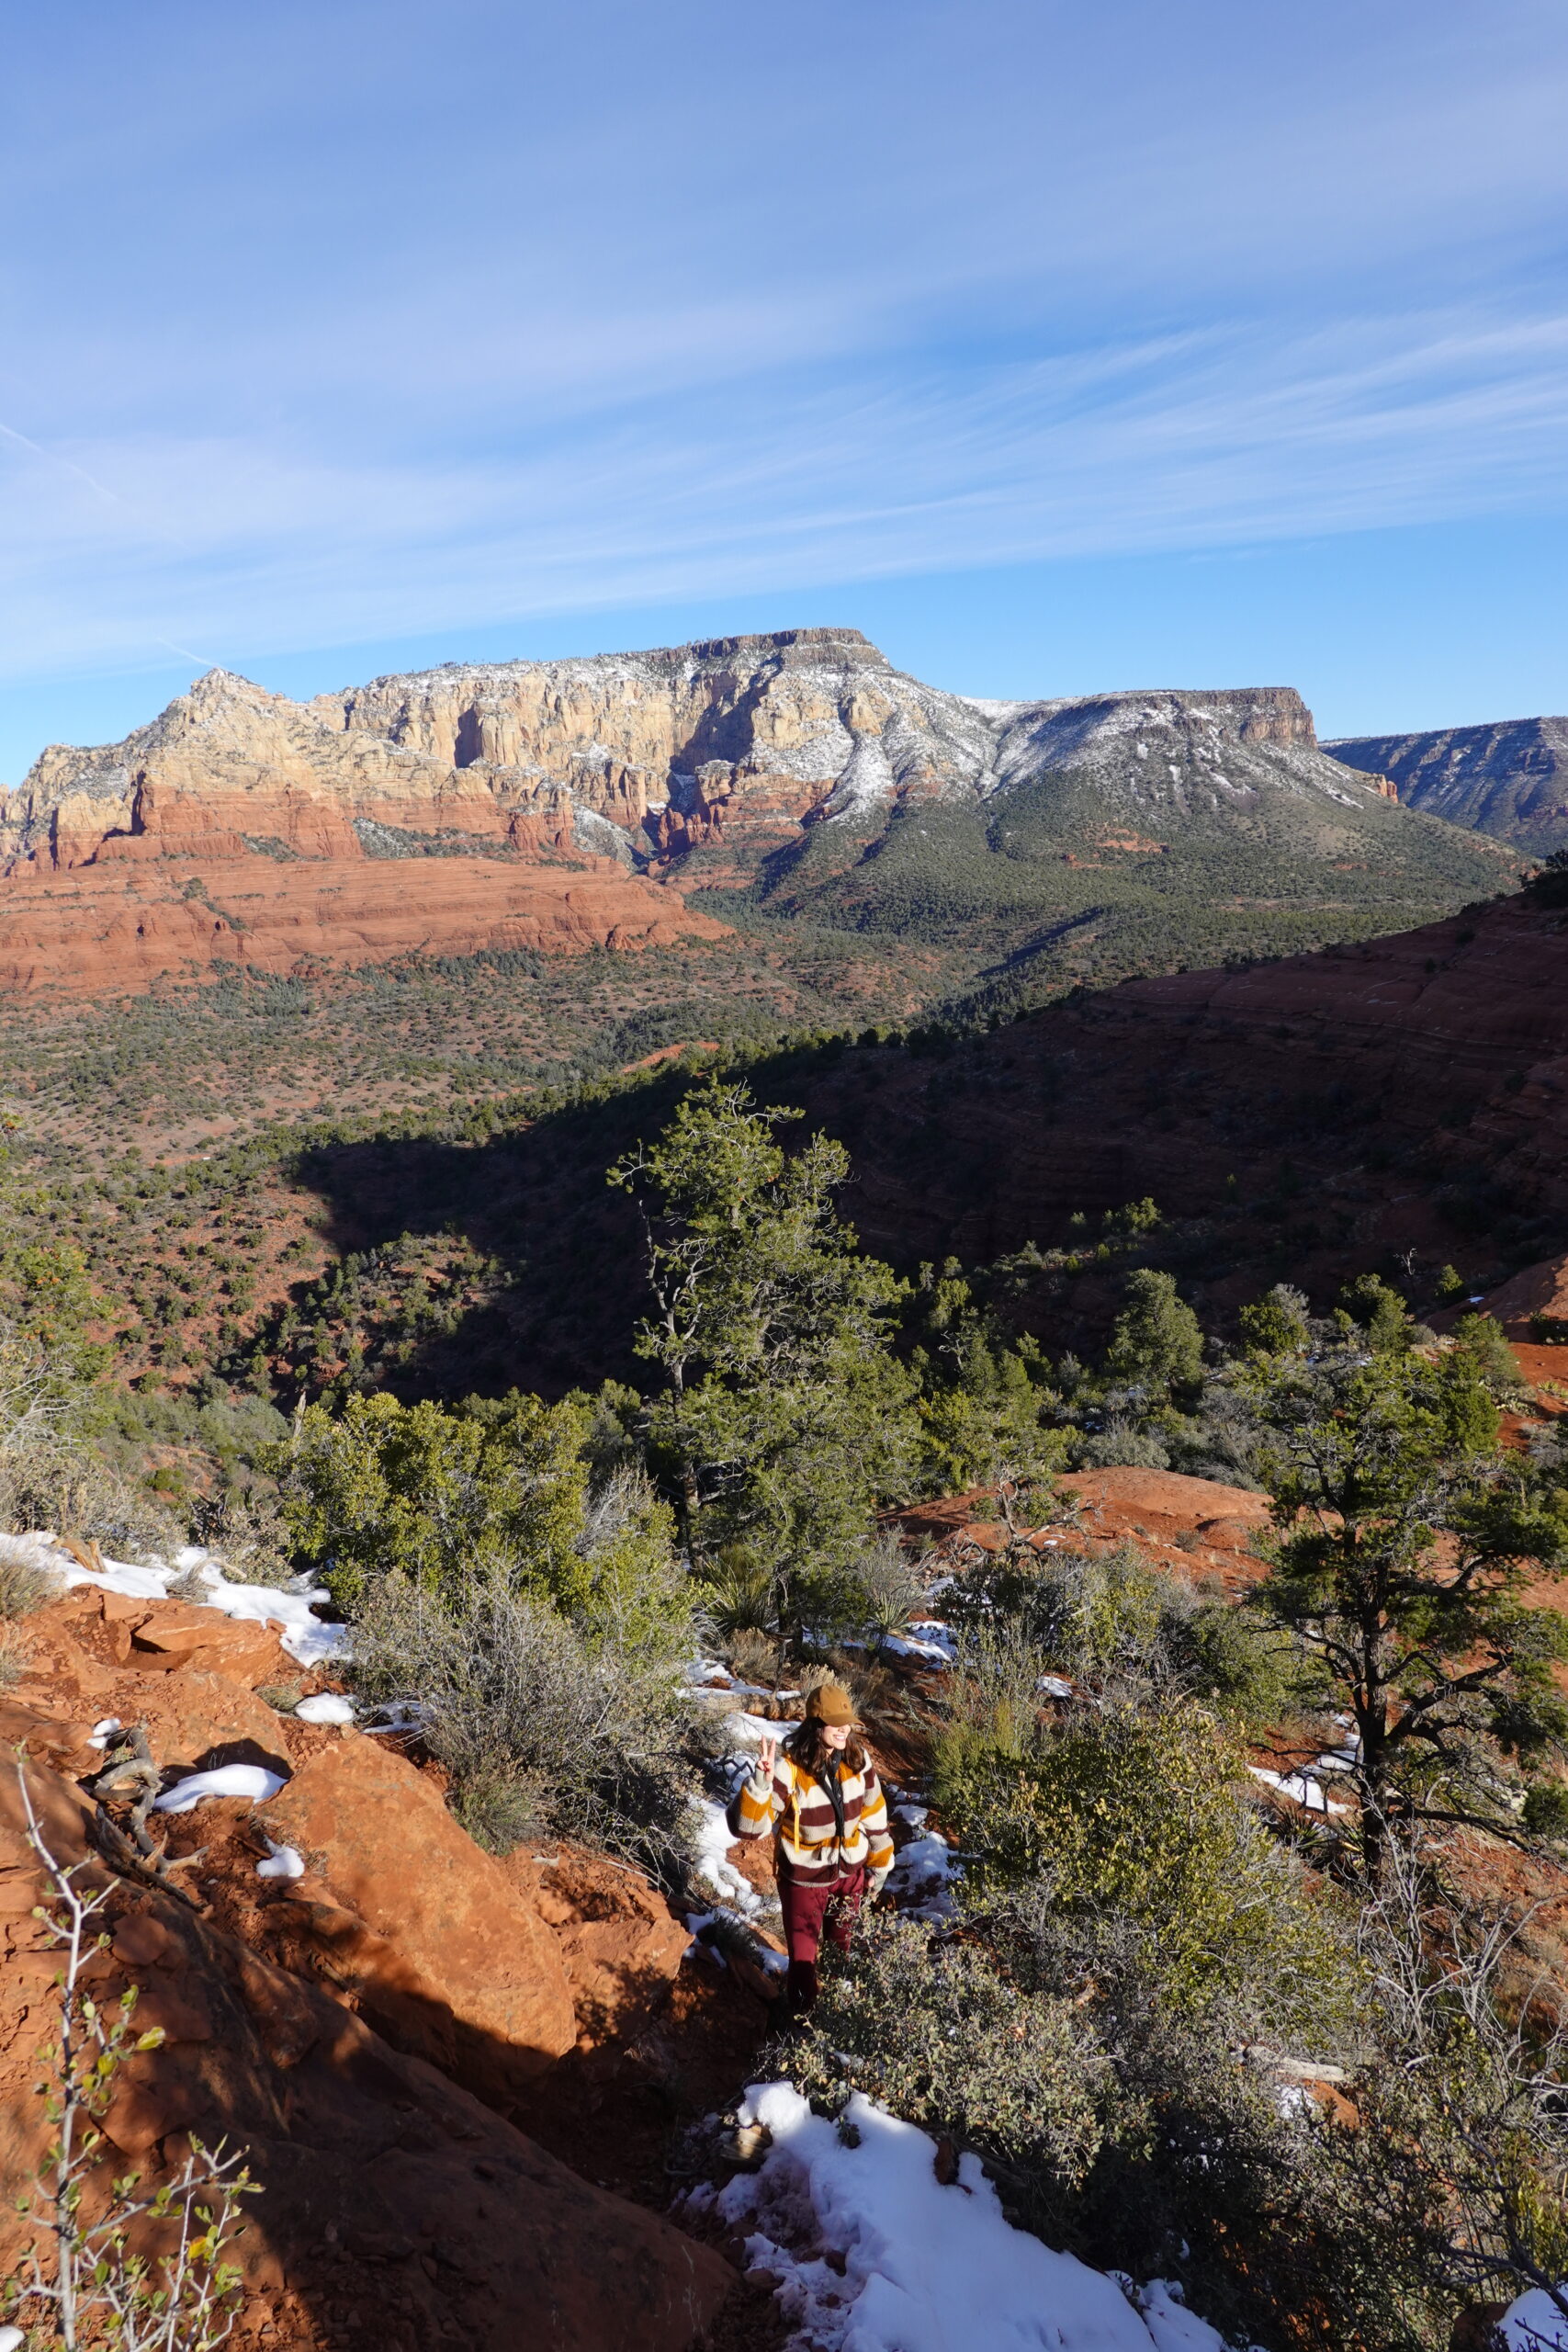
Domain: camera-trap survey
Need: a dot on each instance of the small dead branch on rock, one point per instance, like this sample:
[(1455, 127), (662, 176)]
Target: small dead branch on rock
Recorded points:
[(132, 1775), (82, 2285)]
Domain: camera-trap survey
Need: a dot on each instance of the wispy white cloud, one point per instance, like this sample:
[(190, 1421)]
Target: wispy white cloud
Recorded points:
[(331, 323), (1202, 439)]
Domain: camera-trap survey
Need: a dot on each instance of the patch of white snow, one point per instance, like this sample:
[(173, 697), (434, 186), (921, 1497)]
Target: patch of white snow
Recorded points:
[(253, 1780), (326, 1707), (1300, 1787), (302, 1632), (712, 1840), (283, 1861), (920, 2267)]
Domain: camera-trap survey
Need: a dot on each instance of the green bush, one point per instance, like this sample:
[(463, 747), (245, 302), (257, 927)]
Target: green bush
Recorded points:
[(1140, 1817), (433, 1495), (488, 1491), (1133, 2130), (1114, 1624), (1230, 1654), (1156, 1342), (942, 2036), (1484, 1348)]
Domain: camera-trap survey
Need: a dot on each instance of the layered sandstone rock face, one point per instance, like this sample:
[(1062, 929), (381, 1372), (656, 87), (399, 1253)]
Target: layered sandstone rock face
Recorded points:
[(241, 827)]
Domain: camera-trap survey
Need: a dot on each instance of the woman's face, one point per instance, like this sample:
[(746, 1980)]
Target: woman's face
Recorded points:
[(836, 1736)]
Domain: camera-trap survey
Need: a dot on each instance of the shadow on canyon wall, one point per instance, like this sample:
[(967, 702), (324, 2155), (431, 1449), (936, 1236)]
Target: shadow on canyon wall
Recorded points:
[(1401, 1104)]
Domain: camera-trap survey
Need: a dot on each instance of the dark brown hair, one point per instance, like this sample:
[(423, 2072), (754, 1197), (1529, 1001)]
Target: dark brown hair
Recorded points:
[(808, 1748)]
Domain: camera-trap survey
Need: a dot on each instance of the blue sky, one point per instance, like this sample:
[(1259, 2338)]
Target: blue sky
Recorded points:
[(1057, 346)]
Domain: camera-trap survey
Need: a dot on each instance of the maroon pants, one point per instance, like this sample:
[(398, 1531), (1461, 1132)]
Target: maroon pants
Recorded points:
[(828, 1908)]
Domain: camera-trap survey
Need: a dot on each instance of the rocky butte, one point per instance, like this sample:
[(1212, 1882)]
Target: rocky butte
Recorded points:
[(555, 805), (1510, 779)]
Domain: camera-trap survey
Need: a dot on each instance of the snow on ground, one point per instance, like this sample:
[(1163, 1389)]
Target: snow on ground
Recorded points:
[(1300, 1787), (749, 1731), (395, 1715), (302, 1632), (928, 1641), (282, 1861), (1534, 2323), (775, 1963), (918, 2267), (921, 1879), (707, 1678), (713, 1838), (253, 1780), (326, 1707)]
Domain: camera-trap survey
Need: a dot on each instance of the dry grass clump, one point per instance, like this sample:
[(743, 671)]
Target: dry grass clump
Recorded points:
[(24, 1584), (544, 1728), (76, 1493), (243, 1526), (755, 1657)]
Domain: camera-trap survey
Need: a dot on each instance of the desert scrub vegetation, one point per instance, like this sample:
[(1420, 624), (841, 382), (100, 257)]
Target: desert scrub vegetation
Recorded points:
[(24, 1585), (523, 1601), (1135, 1921), (1120, 2016), (549, 1724), (1410, 1546)]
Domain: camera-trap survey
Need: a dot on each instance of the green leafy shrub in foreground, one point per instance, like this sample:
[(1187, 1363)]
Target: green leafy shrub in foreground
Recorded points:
[(1139, 1816), (942, 2036)]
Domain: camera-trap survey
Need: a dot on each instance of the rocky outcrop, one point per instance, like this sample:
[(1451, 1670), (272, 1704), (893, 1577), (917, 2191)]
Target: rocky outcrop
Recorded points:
[(242, 828), (372, 2033), (435, 1941), (557, 805), (1510, 779), (105, 930)]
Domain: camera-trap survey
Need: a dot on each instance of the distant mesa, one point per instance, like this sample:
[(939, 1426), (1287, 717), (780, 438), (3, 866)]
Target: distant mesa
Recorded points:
[(1509, 779), (560, 806)]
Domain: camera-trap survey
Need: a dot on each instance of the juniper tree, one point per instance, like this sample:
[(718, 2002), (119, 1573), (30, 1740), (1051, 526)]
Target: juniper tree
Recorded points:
[(982, 1396), (1408, 1538), (1156, 1342), (785, 1415)]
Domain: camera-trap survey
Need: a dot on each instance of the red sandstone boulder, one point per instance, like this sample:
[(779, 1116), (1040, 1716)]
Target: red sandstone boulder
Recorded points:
[(398, 2212), (199, 1717), (619, 1942), (437, 1944), (1156, 1507)]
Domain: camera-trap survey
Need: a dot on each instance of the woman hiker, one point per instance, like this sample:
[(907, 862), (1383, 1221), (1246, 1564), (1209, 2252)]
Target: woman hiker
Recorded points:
[(821, 1795)]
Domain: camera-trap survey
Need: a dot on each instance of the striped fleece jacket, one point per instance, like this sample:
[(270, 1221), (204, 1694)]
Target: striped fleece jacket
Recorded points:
[(806, 1832)]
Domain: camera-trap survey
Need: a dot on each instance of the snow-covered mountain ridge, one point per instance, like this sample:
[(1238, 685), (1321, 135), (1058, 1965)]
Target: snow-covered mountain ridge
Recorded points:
[(672, 746)]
